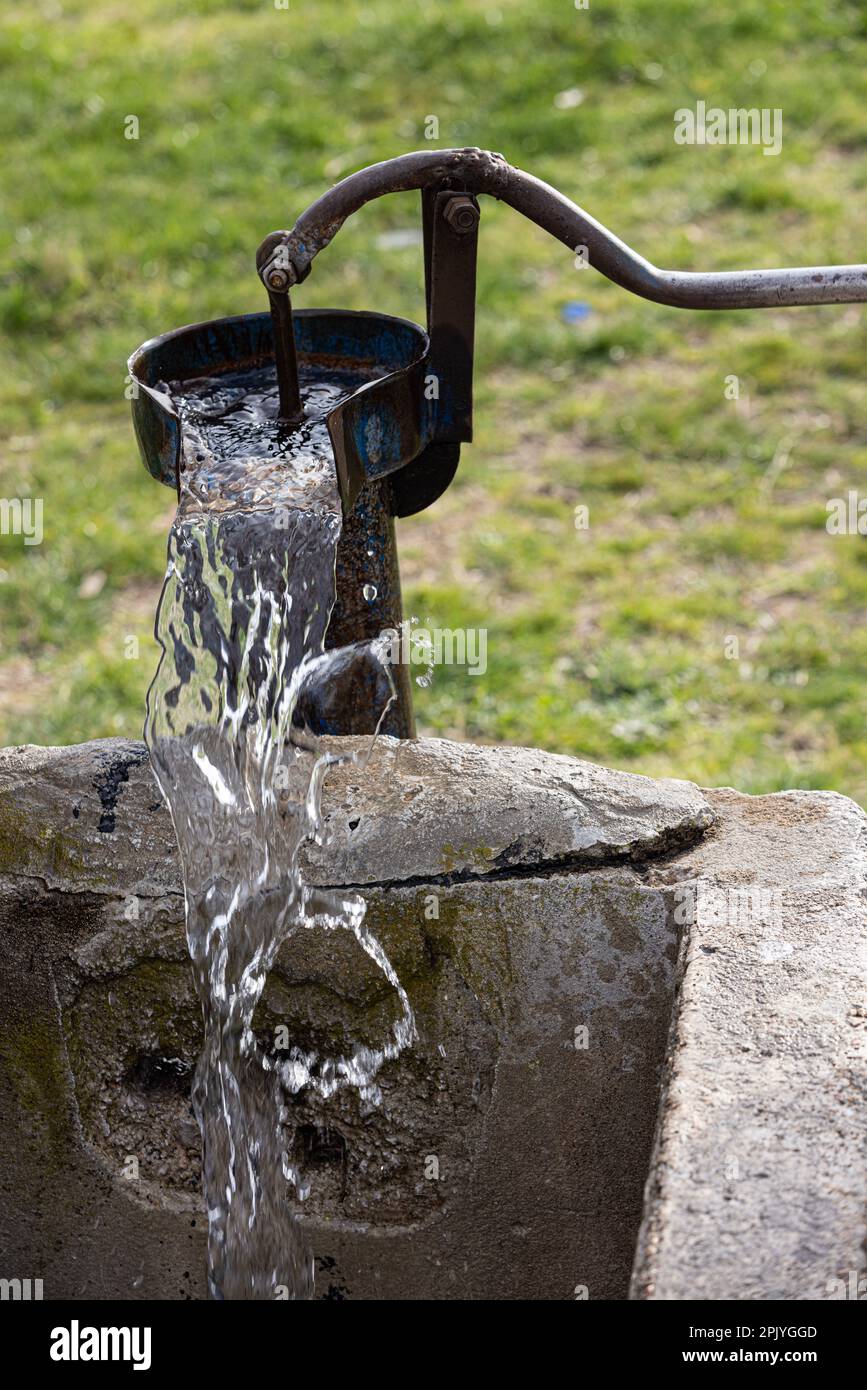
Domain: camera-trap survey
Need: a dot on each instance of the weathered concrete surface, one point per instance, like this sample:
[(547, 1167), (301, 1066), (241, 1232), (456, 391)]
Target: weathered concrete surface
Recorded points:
[(430, 807), (522, 898), (757, 1186), (411, 809)]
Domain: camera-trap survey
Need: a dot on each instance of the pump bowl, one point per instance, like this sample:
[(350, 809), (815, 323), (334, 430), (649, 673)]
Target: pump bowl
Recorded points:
[(383, 424)]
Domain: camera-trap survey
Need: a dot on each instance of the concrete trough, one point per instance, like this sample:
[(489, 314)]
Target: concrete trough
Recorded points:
[(642, 1062)]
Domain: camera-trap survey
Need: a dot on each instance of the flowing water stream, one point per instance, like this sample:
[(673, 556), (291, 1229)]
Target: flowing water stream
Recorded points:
[(241, 623)]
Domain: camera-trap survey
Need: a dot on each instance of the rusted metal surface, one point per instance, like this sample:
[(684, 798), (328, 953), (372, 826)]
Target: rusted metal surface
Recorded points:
[(422, 466), (465, 171), (397, 435), (377, 427), (451, 316), (450, 223), (368, 602), (285, 358), (481, 171), (380, 427)]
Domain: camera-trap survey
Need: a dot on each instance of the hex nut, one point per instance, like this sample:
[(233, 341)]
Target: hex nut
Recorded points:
[(462, 214)]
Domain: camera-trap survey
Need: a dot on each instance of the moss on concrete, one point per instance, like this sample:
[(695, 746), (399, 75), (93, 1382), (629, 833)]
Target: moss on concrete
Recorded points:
[(35, 1065), (38, 848)]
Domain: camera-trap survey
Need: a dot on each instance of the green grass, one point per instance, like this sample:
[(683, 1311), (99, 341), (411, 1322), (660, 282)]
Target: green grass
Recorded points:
[(706, 514)]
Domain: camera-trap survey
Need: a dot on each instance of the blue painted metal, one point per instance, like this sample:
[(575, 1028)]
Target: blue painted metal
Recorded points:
[(384, 423), (380, 426)]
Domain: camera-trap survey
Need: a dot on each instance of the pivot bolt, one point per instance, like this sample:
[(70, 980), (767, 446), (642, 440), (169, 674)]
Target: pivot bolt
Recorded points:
[(278, 279), (462, 214)]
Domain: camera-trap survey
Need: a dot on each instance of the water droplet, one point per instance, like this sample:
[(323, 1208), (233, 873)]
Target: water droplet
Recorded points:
[(369, 592)]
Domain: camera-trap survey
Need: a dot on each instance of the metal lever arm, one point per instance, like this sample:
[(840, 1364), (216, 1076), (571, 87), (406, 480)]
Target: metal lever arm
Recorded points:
[(284, 258)]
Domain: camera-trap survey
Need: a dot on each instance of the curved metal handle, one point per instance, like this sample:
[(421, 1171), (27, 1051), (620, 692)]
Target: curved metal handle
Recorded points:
[(284, 258)]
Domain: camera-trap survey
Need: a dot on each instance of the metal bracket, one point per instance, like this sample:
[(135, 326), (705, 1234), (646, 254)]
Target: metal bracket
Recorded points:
[(450, 223), (451, 301)]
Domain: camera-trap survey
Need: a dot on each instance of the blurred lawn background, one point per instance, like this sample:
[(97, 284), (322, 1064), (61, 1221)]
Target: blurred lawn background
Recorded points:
[(707, 515)]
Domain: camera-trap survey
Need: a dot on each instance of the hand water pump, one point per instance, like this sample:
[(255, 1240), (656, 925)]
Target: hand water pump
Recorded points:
[(397, 435)]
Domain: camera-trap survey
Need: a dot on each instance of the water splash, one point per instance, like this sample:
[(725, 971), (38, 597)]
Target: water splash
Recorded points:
[(241, 623)]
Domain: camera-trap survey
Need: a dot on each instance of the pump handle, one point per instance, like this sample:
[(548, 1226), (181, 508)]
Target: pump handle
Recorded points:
[(285, 257)]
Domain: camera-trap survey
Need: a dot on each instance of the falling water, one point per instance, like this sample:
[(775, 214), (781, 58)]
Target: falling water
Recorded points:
[(241, 623)]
